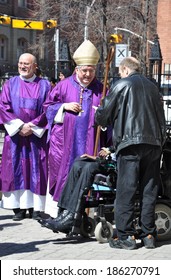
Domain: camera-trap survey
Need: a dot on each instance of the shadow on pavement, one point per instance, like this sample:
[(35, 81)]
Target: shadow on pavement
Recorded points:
[(161, 243), (18, 248), (74, 240), (9, 225), (6, 217)]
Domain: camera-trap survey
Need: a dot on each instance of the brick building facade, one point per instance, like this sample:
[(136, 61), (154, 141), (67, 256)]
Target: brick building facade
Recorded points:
[(164, 33)]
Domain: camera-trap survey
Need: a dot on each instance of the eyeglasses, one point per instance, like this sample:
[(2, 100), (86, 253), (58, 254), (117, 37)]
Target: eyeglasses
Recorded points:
[(85, 71), (24, 63)]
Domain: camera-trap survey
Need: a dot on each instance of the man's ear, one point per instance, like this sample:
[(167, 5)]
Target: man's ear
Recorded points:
[(126, 70)]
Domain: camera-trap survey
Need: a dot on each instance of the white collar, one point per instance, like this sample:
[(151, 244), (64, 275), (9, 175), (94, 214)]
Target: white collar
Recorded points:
[(28, 80)]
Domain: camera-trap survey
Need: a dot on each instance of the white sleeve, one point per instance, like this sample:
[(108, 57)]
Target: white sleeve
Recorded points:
[(59, 118), (113, 156), (38, 131), (12, 127)]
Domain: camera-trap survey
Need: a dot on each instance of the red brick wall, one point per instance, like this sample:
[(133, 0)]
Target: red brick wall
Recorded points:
[(164, 29)]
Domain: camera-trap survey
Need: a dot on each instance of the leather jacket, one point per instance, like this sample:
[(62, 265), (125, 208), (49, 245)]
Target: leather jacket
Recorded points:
[(134, 108)]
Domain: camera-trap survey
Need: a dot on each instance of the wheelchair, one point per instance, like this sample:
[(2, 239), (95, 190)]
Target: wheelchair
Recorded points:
[(96, 217)]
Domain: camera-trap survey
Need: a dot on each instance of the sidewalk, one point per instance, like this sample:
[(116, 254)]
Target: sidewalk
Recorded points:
[(27, 240)]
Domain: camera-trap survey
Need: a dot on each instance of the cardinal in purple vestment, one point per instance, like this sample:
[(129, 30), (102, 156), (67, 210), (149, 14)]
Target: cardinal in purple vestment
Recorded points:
[(24, 163), (70, 110)]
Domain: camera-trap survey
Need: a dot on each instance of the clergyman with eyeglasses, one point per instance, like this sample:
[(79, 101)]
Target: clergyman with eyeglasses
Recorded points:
[(24, 163), (70, 110)]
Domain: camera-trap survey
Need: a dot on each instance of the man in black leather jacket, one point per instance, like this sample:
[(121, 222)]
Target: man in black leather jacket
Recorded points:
[(135, 110)]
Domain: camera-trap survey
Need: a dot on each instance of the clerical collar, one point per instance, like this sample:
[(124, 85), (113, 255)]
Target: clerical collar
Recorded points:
[(28, 80), (81, 84)]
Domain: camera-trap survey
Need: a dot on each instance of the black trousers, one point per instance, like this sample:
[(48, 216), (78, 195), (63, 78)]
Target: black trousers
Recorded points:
[(81, 176), (138, 167)]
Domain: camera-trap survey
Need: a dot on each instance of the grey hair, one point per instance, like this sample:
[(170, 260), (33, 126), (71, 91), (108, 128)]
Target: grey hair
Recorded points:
[(132, 63), (34, 60), (80, 66)]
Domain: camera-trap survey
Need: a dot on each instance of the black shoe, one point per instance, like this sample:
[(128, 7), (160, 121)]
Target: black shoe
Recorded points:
[(67, 220), (60, 210), (115, 233), (62, 215), (19, 216), (36, 215), (48, 223), (149, 241), (128, 244), (16, 210), (64, 225), (43, 221), (30, 213)]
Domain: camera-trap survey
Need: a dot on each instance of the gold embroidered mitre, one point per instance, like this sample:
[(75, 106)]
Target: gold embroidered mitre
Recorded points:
[(86, 54)]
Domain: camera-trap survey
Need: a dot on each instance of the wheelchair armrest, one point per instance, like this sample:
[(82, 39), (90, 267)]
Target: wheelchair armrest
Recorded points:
[(100, 179), (106, 180)]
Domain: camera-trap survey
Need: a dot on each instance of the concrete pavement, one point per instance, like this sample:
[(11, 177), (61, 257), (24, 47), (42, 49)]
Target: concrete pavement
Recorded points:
[(27, 240)]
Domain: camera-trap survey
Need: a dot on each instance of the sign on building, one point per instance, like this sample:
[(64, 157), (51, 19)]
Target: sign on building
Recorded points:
[(121, 52)]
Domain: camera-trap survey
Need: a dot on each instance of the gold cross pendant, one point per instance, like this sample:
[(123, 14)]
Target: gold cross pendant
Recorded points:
[(80, 113)]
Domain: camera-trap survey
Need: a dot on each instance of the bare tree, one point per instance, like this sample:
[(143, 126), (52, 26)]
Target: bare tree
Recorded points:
[(138, 16)]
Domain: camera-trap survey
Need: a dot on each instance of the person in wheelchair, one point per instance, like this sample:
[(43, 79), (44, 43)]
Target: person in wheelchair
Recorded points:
[(80, 179)]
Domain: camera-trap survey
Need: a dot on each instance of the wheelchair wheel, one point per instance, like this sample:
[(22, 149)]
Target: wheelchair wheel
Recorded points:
[(103, 235), (163, 221), (87, 227)]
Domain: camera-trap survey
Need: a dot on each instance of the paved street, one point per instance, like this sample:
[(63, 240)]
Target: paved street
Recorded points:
[(27, 240)]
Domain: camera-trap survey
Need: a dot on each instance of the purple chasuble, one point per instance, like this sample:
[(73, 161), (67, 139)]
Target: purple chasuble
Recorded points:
[(76, 135), (24, 159)]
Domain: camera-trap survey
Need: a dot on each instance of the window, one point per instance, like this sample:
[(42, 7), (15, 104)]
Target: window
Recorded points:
[(22, 3), (167, 68), (22, 46), (3, 48), (166, 80)]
